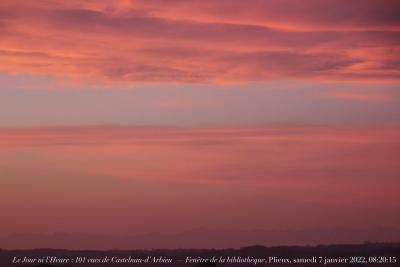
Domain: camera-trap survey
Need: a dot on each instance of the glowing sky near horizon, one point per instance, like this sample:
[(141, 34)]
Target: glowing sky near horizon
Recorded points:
[(260, 114)]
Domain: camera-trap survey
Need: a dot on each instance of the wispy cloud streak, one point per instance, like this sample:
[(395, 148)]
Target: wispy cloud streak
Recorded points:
[(201, 41)]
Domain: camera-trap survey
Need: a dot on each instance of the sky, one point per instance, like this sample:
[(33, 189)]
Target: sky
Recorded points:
[(268, 121)]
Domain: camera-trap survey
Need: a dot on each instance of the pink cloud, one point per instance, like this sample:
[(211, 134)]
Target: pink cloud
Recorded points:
[(200, 41), (280, 175)]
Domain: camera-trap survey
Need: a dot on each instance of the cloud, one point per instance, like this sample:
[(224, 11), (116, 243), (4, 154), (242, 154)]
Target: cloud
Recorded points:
[(200, 41), (328, 161), (288, 176), (296, 157), (309, 14)]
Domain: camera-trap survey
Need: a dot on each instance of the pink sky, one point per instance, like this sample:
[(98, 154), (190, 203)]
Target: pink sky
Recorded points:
[(243, 115), (126, 181)]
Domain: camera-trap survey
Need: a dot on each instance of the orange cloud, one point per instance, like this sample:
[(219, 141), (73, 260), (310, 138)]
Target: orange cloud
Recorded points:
[(200, 41), (308, 15)]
